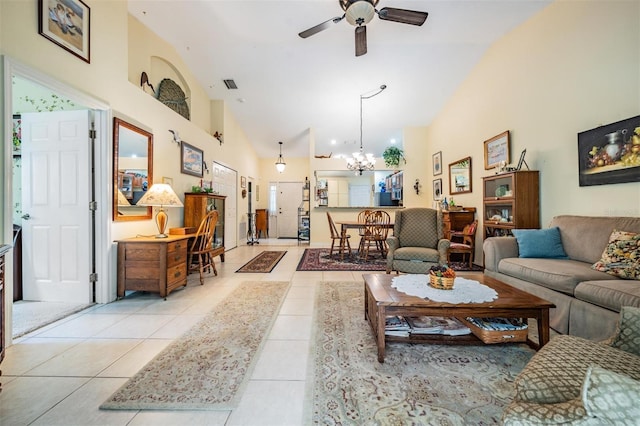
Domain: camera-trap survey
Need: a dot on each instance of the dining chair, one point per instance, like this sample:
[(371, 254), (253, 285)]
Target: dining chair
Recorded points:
[(202, 247), (463, 242), (362, 218), (342, 237), (376, 229)]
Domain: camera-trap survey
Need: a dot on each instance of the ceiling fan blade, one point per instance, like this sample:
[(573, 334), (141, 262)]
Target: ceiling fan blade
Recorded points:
[(361, 40), (320, 27), (403, 16)]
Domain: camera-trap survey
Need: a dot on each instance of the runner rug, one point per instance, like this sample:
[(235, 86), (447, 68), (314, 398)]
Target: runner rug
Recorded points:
[(417, 383), (208, 367), (264, 262), (319, 260)]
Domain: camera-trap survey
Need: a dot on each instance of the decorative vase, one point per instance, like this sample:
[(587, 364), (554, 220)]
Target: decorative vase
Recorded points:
[(613, 148)]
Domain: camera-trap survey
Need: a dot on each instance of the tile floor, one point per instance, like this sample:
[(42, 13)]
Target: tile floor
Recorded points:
[(60, 374)]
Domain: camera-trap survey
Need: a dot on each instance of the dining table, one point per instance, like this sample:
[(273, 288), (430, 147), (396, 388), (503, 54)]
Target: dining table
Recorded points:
[(355, 224)]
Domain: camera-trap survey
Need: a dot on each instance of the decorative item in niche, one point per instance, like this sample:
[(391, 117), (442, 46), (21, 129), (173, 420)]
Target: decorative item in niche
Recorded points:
[(191, 159), (170, 94), (437, 189), (146, 84), (437, 163), (496, 150), (218, 136), (67, 24), (392, 156), (610, 154), (243, 182)]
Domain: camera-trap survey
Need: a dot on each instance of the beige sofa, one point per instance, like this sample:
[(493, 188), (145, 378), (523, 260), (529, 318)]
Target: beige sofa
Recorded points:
[(587, 301)]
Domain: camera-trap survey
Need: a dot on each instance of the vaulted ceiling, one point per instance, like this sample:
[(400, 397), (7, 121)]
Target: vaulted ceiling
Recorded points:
[(288, 85)]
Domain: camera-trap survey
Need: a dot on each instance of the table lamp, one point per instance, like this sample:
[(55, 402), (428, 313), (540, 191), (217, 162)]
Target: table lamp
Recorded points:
[(160, 194), (122, 200)]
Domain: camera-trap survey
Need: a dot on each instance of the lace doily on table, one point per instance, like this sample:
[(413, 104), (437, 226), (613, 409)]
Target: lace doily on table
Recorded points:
[(464, 290)]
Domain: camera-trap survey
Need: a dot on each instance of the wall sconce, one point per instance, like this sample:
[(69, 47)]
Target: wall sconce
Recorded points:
[(416, 186), (176, 136), (204, 166), (219, 137)]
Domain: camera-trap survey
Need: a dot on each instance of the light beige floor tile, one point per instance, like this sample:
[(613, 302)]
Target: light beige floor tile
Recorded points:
[(282, 360), (84, 326), (270, 403), (180, 418), (133, 361), (291, 327), (302, 292), (297, 307), (137, 326), (24, 399), (81, 407), (86, 359), (28, 354), (177, 327)]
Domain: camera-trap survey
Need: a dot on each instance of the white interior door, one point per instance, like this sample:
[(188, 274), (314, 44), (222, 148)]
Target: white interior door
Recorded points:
[(289, 199), (56, 235), (225, 183)]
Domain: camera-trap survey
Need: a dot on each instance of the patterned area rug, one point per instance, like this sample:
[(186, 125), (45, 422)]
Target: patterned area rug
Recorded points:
[(319, 260), (29, 315), (264, 262), (417, 384), (208, 366)]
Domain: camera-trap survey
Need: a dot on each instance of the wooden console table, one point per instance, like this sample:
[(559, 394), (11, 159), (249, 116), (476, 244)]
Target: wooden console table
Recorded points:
[(152, 264)]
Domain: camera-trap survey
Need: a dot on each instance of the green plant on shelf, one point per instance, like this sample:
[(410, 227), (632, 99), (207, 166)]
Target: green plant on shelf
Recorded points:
[(392, 156)]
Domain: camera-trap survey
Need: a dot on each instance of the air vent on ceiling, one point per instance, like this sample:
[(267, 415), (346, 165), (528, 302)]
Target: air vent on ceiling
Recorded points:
[(230, 84)]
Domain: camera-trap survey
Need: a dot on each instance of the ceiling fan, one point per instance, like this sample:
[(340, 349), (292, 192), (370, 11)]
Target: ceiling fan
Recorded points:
[(360, 12)]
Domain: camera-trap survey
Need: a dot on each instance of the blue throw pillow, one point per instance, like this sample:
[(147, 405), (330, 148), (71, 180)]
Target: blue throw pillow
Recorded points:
[(540, 243)]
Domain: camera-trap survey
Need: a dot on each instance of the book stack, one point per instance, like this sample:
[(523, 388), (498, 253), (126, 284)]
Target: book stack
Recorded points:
[(406, 326)]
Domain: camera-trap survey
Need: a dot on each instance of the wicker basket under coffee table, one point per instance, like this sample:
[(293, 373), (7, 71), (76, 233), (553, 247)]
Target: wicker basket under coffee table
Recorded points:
[(382, 300)]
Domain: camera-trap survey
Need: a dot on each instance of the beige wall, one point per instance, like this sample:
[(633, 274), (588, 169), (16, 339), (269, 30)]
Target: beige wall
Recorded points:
[(562, 72)]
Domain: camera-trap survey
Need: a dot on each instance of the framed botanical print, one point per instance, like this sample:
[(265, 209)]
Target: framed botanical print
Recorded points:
[(496, 150), (437, 189), (437, 163)]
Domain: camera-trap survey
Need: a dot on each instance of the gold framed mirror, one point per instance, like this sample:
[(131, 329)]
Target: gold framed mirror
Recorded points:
[(132, 170), (460, 176)]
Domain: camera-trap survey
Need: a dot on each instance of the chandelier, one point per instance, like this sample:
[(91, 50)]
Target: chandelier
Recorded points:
[(360, 161)]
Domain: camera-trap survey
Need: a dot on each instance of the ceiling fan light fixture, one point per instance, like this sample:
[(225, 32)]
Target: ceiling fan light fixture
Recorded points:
[(360, 13)]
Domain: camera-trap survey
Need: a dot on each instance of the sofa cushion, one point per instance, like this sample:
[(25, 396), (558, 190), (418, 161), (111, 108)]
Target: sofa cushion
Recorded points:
[(556, 373), (621, 257), (541, 243), (612, 293), (418, 254), (628, 337), (557, 274), (610, 396), (584, 237)]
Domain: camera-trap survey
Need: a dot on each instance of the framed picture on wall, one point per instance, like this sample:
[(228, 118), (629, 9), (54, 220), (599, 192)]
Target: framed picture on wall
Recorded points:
[(437, 163), (243, 182), (191, 159), (67, 24), (437, 189), (496, 150)]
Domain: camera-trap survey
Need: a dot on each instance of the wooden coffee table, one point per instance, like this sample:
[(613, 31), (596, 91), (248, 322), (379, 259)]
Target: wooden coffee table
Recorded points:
[(381, 300)]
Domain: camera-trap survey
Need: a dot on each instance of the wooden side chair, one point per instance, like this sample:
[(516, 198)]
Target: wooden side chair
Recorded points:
[(362, 218), (199, 256), (341, 237), (376, 230), (463, 242)]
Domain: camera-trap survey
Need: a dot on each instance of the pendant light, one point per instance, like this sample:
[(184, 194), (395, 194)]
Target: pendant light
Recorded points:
[(360, 161), (280, 164)]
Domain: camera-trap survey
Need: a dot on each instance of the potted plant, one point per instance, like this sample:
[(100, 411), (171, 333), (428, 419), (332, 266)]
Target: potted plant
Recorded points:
[(392, 156)]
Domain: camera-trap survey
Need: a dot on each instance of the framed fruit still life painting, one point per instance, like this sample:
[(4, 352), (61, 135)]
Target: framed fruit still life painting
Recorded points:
[(610, 154)]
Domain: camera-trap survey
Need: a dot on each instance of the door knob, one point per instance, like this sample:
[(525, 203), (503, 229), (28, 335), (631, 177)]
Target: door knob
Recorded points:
[(26, 216)]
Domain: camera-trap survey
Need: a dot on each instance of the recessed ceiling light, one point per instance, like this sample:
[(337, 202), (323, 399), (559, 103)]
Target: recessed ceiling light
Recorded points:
[(393, 141), (333, 141)]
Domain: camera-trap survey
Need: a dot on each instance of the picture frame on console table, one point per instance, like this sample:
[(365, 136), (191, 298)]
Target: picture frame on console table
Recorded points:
[(610, 154), (496, 150)]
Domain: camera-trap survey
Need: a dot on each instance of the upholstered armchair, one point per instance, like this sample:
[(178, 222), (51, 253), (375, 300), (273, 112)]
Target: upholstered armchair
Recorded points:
[(417, 242), (574, 381)]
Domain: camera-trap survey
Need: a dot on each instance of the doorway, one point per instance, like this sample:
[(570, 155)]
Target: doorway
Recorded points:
[(20, 84), (288, 199)]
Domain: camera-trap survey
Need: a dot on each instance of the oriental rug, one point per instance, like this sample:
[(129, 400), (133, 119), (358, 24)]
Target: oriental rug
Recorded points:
[(264, 262), (417, 384), (208, 367), (319, 260)]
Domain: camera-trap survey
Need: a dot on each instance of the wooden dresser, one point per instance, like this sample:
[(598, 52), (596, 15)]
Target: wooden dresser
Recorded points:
[(3, 250), (456, 220), (152, 264)]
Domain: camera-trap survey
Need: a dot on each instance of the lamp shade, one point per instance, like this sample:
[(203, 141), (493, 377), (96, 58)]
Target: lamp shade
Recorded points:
[(122, 200), (160, 194)]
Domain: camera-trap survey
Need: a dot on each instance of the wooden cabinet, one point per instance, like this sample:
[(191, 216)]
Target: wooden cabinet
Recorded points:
[(262, 222), (152, 264), (456, 220), (511, 200), (3, 250), (304, 215), (196, 207)]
